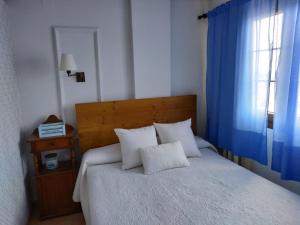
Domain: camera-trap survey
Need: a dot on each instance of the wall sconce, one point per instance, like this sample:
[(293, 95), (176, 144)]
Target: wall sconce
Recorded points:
[(68, 64)]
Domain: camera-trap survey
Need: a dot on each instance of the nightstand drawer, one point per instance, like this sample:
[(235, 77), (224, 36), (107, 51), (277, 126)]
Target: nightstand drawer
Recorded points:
[(52, 144)]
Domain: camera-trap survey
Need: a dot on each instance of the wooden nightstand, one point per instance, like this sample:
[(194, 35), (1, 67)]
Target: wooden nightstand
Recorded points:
[(55, 187)]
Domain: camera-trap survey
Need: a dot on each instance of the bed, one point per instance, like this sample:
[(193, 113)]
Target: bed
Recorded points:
[(211, 191)]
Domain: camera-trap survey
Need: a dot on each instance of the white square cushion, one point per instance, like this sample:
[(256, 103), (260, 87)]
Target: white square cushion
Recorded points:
[(181, 131), (131, 141), (163, 157)]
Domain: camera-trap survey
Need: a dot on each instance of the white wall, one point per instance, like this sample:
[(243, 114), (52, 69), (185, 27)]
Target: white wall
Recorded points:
[(13, 199), (142, 25), (45, 90), (151, 47), (36, 64), (188, 36)]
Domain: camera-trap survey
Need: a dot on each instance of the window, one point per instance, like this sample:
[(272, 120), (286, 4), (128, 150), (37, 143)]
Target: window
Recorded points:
[(266, 51)]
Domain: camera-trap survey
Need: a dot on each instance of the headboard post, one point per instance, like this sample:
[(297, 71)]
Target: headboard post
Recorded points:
[(96, 121)]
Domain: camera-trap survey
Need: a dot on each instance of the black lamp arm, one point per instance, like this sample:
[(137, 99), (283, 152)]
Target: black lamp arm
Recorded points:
[(69, 73), (80, 76)]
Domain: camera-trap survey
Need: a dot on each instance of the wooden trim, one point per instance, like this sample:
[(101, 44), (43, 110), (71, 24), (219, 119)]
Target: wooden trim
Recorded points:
[(96, 121)]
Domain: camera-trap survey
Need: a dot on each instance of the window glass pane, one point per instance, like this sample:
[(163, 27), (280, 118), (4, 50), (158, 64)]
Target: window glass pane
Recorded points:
[(262, 33), (271, 108), (266, 32), (278, 30), (261, 95), (261, 62), (275, 60)]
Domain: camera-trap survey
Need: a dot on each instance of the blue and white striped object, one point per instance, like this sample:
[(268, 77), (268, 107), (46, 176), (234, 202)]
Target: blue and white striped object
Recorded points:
[(52, 129)]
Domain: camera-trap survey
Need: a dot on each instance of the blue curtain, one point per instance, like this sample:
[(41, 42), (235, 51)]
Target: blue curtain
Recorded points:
[(286, 135), (238, 74)]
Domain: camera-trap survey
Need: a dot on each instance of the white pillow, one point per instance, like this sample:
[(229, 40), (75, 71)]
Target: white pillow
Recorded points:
[(163, 157), (103, 155), (181, 131), (131, 141)]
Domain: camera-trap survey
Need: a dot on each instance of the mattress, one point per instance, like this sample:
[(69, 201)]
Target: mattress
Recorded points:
[(212, 191)]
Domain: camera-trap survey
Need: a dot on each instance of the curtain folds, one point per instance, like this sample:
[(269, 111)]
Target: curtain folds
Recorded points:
[(254, 54), (286, 135), (238, 72)]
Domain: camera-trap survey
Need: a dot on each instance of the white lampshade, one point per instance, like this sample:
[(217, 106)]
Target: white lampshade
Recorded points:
[(67, 62)]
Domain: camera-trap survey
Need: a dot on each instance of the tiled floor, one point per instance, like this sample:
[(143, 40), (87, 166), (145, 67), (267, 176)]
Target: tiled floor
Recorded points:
[(74, 219)]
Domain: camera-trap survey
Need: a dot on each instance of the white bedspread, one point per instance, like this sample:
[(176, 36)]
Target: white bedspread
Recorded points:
[(212, 191)]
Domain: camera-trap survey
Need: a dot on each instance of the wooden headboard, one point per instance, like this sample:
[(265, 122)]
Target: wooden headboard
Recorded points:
[(96, 121)]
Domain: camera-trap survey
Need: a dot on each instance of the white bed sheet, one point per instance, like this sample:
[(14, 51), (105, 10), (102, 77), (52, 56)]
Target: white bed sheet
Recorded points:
[(212, 191)]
